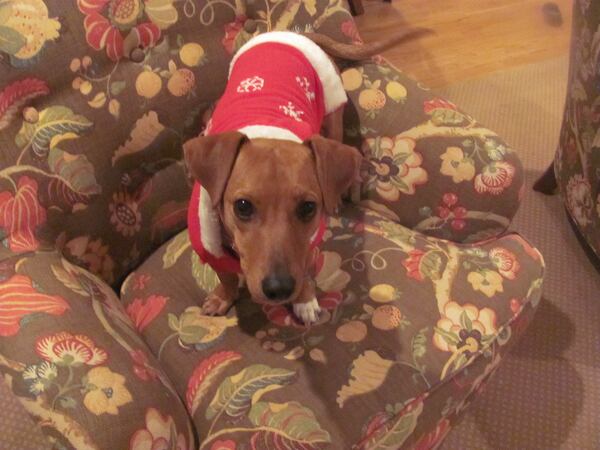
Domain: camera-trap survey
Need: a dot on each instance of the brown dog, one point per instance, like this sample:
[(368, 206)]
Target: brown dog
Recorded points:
[(269, 195), (288, 185)]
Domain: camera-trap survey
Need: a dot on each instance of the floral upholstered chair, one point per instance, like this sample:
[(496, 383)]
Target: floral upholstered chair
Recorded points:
[(101, 337), (576, 167)]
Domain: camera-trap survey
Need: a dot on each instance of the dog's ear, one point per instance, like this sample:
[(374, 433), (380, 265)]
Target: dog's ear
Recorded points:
[(338, 167), (210, 159)]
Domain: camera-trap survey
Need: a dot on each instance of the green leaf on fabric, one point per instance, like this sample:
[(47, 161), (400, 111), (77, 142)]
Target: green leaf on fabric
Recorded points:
[(393, 433), (173, 322), (206, 278), (195, 328), (430, 265), (76, 170), (192, 334), (242, 37), (116, 87), (376, 148), (11, 41), (398, 183), (460, 361), (239, 392), (67, 402), (55, 124), (447, 117), (394, 231), (450, 338), (400, 158), (175, 249), (465, 321), (286, 425), (419, 344)]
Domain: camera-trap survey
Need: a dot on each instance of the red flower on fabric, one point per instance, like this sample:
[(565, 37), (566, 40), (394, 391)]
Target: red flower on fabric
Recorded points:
[(223, 445), (434, 437), (105, 31), (494, 178), (20, 215), (281, 316), (18, 298), (14, 96), (515, 305), (142, 313), (139, 283), (506, 262), (438, 103), (66, 349), (529, 249), (413, 263), (140, 366), (232, 29)]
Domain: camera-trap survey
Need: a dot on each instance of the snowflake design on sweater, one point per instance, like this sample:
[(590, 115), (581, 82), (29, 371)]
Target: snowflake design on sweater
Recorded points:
[(291, 111), (305, 85), (251, 84)]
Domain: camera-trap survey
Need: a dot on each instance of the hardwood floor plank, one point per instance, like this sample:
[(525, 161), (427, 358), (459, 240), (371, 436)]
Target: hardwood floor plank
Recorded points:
[(474, 37)]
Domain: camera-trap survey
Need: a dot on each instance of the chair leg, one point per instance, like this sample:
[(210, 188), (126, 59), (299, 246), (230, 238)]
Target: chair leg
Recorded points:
[(356, 7), (546, 184)]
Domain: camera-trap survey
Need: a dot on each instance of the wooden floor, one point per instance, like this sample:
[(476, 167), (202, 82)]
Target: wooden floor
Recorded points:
[(474, 37)]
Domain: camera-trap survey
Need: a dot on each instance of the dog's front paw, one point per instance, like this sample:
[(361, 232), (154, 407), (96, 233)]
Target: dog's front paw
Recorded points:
[(214, 305), (308, 312)]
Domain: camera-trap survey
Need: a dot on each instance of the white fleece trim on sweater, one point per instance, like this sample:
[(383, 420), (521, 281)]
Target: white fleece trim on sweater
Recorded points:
[(333, 90), (269, 132), (210, 225)]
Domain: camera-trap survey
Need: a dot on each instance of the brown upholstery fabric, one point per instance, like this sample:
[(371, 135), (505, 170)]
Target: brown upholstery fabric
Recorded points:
[(398, 351), (95, 101), (577, 160)]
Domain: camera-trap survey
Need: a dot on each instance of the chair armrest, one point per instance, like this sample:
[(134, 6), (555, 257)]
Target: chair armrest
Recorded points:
[(428, 165), (72, 358)]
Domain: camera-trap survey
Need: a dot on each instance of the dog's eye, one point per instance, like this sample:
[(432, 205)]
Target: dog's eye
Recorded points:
[(306, 211), (243, 209)]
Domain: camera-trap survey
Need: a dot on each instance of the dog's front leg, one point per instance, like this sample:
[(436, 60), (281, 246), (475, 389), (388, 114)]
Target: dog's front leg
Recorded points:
[(218, 302), (306, 306)]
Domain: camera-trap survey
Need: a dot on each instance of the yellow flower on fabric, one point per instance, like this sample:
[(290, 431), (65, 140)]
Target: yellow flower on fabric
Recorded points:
[(106, 391), (452, 323), (487, 281), (455, 165)]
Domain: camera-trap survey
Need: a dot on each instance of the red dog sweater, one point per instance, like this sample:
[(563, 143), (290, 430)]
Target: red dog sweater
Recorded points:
[(281, 85)]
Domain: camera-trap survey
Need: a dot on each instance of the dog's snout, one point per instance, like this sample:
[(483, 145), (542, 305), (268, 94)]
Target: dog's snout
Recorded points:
[(278, 286)]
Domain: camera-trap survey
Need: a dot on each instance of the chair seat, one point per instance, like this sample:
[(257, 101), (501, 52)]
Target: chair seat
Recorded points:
[(412, 326)]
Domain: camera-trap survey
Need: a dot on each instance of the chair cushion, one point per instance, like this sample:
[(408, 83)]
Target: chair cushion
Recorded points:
[(412, 327)]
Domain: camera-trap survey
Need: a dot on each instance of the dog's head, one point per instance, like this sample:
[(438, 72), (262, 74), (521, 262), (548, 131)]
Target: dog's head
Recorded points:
[(271, 195)]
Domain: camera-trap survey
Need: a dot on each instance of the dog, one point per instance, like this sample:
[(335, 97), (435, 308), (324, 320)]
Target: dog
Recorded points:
[(271, 166)]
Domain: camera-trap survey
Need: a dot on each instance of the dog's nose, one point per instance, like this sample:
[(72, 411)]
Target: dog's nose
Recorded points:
[(278, 286)]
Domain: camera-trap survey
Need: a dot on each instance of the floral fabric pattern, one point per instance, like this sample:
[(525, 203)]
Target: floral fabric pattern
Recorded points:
[(576, 164), (96, 100), (262, 359)]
